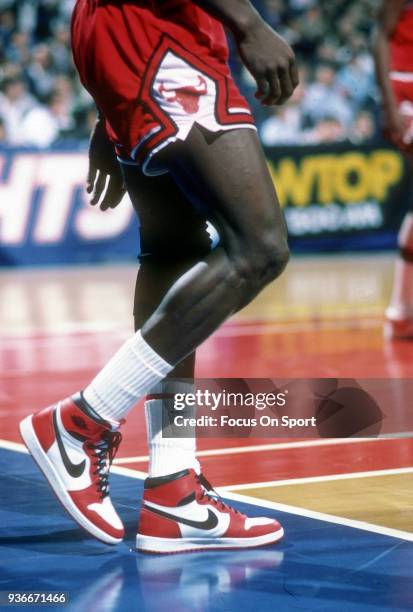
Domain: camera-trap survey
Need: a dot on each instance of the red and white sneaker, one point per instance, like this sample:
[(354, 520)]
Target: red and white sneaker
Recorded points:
[(74, 448), (182, 512)]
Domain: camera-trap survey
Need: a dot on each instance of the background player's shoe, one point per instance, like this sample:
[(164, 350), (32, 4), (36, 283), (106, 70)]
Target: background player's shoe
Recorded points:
[(181, 512), (398, 325), (74, 448)]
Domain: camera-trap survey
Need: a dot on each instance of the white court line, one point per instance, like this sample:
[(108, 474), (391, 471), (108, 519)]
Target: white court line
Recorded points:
[(327, 518), (314, 479), (320, 516), (234, 450), (20, 448), (14, 446)]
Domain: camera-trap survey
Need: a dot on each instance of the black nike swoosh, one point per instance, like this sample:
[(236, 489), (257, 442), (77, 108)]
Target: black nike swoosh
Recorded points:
[(75, 470), (209, 523)]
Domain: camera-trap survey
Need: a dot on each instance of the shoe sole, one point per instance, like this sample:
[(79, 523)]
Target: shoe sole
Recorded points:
[(52, 476), (150, 544)]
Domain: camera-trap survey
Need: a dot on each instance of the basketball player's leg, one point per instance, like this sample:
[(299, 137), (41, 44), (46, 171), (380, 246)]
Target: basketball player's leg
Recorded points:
[(153, 281), (227, 176), (175, 499), (173, 238)]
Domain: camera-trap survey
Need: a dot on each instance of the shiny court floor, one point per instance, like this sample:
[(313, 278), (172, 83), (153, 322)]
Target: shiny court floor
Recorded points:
[(346, 504), (319, 565)]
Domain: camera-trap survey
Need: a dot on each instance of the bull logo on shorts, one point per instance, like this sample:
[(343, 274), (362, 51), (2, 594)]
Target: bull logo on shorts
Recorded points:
[(187, 97)]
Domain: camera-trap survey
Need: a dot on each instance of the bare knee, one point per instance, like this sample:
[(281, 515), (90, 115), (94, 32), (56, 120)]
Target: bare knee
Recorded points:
[(273, 258), (254, 268)]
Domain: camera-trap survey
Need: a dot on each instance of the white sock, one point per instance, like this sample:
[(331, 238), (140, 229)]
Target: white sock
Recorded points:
[(129, 375), (169, 455), (401, 304)]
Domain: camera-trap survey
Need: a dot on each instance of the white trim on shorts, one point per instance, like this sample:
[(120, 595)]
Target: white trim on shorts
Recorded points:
[(403, 77), (157, 171)]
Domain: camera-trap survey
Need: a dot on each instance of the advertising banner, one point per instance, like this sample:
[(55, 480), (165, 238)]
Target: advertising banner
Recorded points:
[(341, 196), (334, 197), (45, 217)]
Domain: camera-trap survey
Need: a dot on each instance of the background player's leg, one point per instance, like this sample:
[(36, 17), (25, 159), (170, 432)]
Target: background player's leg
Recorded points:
[(226, 175), (153, 281), (400, 311), (173, 238)]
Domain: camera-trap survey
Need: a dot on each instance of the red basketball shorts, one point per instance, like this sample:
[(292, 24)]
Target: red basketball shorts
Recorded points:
[(154, 73)]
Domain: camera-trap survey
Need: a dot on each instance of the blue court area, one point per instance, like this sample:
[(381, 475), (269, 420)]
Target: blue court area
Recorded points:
[(319, 566)]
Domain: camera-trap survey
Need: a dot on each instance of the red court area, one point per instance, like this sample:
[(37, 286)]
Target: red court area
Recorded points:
[(282, 335)]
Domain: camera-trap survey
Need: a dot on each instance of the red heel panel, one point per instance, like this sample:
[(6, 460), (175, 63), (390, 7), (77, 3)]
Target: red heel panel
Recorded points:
[(43, 427)]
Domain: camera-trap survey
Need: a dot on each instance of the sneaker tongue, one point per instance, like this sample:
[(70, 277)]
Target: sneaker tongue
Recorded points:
[(79, 423), (96, 425), (99, 432)]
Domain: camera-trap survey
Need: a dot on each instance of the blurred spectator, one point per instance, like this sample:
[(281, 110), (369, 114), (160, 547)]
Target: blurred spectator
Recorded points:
[(302, 5), (15, 103), (40, 71), (3, 137), (7, 27), (324, 99), (363, 128), (59, 50), (17, 51), (339, 96), (41, 100), (357, 81), (328, 129), (283, 128), (285, 125), (43, 125)]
